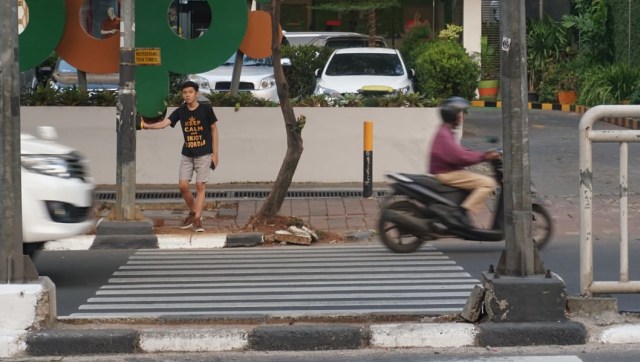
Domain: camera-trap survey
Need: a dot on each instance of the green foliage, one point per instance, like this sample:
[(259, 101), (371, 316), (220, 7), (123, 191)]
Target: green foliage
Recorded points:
[(634, 98), (414, 38), (589, 26), (312, 100), (351, 100), (104, 98), (488, 60), (451, 32), (608, 84), (43, 95), (357, 5), (242, 99), (72, 97), (444, 69), (624, 21), (547, 43), (305, 59)]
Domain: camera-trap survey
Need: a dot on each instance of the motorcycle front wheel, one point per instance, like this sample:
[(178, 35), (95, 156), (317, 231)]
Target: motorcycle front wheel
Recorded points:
[(392, 236), (541, 226)]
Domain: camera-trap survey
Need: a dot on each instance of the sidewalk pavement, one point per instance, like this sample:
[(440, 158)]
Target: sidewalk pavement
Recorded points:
[(597, 323), (343, 218)]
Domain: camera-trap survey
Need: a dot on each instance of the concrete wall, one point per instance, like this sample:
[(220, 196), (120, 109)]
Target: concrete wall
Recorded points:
[(253, 142), (472, 25)]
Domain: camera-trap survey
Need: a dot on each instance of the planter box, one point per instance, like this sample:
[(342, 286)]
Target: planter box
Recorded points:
[(253, 142)]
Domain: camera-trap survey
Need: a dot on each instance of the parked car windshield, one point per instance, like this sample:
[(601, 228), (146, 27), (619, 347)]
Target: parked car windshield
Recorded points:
[(248, 61), (365, 64)]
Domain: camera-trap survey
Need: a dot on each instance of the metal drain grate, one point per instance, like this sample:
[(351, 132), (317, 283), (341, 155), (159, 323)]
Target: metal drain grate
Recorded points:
[(165, 196)]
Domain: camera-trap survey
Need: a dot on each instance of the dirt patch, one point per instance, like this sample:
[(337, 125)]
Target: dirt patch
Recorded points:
[(268, 226)]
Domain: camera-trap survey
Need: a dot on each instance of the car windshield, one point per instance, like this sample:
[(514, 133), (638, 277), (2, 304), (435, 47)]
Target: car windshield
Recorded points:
[(248, 61), (365, 64)]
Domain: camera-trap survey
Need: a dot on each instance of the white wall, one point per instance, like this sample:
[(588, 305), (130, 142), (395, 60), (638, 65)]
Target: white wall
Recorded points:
[(253, 142), (472, 25)]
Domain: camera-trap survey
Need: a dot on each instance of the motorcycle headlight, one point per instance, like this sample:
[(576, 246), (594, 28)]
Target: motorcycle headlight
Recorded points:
[(203, 83), (267, 83), (46, 165)]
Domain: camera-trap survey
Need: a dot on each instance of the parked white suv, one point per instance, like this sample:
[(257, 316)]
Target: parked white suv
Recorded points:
[(256, 77), (57, 191), (364, 71)]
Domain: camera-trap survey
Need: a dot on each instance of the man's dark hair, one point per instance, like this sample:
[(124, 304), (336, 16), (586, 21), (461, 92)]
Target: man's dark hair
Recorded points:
[(188, 84), (450, 108)]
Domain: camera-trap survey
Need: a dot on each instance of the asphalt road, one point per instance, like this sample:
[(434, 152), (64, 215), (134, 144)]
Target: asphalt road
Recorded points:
[(553, 141)]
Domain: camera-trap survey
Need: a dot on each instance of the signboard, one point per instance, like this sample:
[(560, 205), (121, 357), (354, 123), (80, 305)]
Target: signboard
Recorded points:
[(147, 56)]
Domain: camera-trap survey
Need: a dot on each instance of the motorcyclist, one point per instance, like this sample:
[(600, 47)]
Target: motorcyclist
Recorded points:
[(448, 161)]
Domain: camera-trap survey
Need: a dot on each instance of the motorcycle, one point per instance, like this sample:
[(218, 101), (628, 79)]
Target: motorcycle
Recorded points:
[(426, 207)]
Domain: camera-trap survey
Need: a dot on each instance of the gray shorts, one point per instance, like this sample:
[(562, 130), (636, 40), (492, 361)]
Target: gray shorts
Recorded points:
[(201, 165)]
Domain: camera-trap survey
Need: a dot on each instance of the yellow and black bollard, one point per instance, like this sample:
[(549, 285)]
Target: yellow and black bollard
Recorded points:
[(367, 186)]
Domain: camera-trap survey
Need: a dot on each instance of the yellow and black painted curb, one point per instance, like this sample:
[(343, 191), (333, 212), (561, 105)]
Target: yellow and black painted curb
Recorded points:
[(631, 123)]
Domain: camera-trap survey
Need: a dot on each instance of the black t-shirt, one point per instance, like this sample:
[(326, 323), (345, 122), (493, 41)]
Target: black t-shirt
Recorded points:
[(196, 128)]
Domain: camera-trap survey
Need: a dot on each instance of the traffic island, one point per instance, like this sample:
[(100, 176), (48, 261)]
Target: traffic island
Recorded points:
[(527, 311)]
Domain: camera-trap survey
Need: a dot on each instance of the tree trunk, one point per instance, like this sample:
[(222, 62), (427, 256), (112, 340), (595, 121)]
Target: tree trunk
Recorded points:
[(372, 27), (293, 126)]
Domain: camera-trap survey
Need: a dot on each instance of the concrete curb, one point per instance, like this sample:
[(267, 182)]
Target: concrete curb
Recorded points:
[(176, 241), (165, 241), (307, 337)]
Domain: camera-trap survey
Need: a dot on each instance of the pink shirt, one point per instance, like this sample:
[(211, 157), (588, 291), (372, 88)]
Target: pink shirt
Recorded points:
[(447, 155)]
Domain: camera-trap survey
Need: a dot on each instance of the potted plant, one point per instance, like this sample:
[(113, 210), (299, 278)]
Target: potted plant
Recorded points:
[(567, 86), (489, 84)]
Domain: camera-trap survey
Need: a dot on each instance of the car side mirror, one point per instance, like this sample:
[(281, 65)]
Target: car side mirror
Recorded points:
[(412, 73), (285, 62), (317, 73)]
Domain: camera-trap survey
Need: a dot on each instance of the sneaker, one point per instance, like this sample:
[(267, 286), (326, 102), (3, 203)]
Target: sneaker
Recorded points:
[(197, 225), (188, 221)]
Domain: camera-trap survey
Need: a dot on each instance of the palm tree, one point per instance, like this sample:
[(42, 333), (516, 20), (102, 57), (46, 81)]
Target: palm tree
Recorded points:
[(360, 5)]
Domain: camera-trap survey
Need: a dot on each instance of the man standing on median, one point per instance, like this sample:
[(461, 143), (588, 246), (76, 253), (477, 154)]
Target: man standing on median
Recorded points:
[(199, 151)]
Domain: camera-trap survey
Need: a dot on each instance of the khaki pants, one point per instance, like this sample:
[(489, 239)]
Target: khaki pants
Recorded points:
[(482, 186)]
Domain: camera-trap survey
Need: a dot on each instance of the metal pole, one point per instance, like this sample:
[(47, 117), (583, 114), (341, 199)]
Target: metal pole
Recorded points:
[(126, 111), (367, 172), (518, 256), (11, 260)]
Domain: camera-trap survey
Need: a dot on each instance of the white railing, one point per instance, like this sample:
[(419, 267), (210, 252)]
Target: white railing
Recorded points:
[(587, 137)]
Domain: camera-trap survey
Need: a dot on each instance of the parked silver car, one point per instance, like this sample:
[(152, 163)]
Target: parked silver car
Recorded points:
[(65, 75), (256, 77), (332, 39)]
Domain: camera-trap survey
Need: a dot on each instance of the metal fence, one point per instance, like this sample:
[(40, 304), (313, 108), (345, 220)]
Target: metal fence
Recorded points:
[(587, 137)]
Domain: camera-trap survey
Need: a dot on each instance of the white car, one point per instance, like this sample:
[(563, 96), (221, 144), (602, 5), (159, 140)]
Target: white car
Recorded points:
[(256, 77), (57, 191), (364, 71)]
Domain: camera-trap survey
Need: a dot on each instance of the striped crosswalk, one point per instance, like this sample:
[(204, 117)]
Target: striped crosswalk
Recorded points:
[(282, 282)]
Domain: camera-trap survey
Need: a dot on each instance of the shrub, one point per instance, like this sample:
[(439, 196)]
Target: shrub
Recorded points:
[(444, 69), (610, 84), (242, 99), (414, 38), (305, 59)]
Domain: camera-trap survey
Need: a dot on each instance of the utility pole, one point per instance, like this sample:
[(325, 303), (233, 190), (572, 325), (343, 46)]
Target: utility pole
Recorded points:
[(125, 208), (14, 267), (518, 257), (520, 298)]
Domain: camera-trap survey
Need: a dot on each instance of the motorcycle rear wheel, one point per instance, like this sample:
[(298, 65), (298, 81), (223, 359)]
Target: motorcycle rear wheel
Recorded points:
[(392, 236), (541, 226)]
